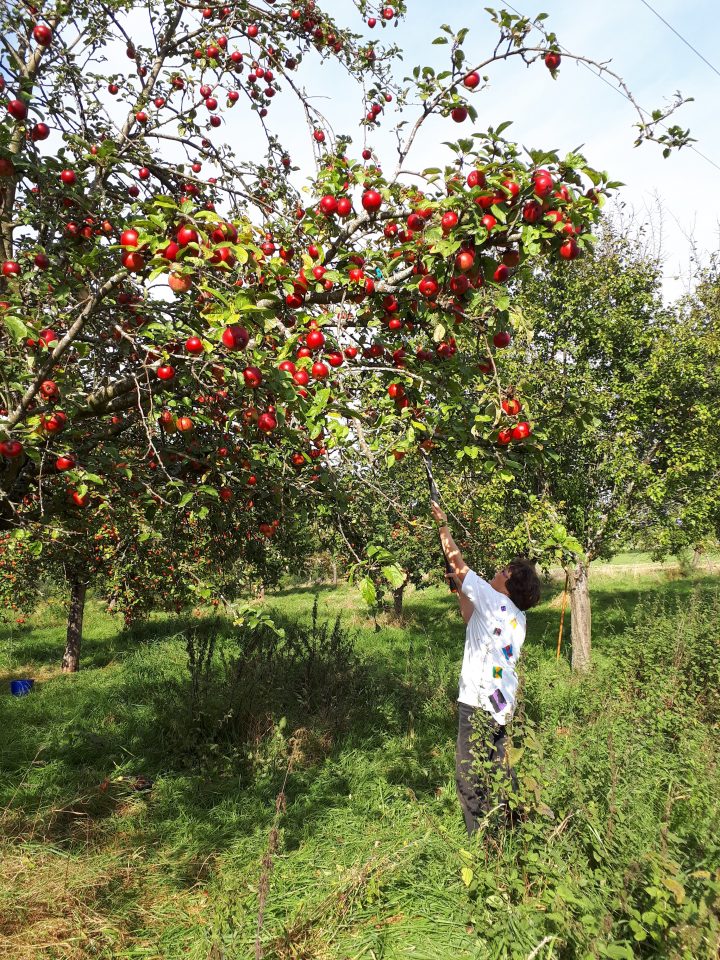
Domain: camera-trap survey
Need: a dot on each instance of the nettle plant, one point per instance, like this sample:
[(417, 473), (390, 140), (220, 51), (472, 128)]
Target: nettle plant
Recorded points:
[(181, 326)]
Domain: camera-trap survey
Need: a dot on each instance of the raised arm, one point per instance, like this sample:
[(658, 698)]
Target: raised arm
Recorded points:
[(450, 548), (466, 607)]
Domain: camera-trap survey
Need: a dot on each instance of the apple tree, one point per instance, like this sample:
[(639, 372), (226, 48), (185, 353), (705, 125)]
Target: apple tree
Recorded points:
[(181, 321)]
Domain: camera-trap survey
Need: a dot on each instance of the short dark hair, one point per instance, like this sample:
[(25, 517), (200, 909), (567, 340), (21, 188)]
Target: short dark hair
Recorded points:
[(523, 584)]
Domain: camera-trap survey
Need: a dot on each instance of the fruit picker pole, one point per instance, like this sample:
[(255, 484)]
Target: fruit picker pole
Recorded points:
[(434, 495)]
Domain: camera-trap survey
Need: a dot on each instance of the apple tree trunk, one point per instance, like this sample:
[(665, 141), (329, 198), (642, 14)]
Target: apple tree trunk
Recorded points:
[(580, 617), (398, 600), (71, 657)]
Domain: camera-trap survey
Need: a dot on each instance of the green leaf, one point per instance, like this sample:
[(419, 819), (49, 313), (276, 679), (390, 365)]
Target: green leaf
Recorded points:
[(17, 329), (616, 952), (368, 592), (467, 876), (394, 575)]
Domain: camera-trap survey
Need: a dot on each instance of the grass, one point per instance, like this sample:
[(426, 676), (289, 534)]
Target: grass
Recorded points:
[(337, 775)]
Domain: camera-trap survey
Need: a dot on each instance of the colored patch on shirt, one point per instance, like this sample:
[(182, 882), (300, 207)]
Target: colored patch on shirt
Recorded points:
[(508, 651), (513, 623), (498, 631), (497, 672), (503, 608), (498, 701)]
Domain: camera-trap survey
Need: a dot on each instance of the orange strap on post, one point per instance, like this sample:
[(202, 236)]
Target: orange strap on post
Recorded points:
[(562, 614)]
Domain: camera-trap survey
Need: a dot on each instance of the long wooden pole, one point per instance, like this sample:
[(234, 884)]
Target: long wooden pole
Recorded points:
[(562, 614)]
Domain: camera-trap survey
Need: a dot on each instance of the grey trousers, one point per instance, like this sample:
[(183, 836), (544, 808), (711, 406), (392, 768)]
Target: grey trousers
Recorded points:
[(482, 771)]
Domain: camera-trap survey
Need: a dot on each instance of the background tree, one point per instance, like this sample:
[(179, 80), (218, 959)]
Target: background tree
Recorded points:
[(611, 373), (683, 507)]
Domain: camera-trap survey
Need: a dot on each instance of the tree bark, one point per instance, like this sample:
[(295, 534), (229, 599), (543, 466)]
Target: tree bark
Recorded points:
[(580, 617), (71, 657), (398, 600)]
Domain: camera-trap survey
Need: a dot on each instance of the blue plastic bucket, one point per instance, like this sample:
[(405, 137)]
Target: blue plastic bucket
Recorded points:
[(20, 688)]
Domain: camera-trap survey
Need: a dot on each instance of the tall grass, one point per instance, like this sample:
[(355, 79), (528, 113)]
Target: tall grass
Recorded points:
[(309, 779)]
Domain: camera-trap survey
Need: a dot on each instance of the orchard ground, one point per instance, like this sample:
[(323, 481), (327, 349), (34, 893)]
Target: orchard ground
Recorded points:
[(370, 859)]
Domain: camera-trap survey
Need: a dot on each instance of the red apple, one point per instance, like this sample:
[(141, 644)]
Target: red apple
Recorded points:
[(504, 437), (180, 282), (11, 268), (464, 260), (42, 34), (186, 235), (521, 430), (68, 177), (64, 462), (542, 184), (552, 60), (502, 272), (17, 109), (315, 339), (512, 406), (569, 249), (49, 389), (471, 80), (532, 211), (320, 370), (372, 200), (235, 337), (170, 252), (502, 339), (129, 238), (253, 377), (267, 422), (476, 178), (11, 448), (41, 131), (459, 114), (133, 261), (428, 287), (54, 423), (165, 372), (194, 345)]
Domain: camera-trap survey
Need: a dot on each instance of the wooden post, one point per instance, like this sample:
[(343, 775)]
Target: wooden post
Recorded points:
[(562, 614)]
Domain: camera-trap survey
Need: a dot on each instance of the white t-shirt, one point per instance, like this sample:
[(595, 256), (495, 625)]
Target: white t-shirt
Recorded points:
[(493, 641)]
